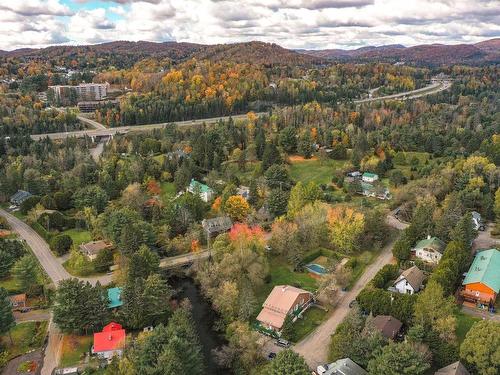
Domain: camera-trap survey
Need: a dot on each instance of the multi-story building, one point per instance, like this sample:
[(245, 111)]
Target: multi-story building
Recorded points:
[(82, 92)]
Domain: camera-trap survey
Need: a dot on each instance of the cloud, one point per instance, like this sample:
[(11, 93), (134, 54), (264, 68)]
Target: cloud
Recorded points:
[(290, 23), (35, 7)]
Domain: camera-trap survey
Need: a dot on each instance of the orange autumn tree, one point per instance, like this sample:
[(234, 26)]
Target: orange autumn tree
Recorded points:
[(345, 226), (153, 187)]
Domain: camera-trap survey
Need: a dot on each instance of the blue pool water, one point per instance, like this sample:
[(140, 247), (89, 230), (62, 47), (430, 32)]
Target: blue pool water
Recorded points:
[(316, 268)]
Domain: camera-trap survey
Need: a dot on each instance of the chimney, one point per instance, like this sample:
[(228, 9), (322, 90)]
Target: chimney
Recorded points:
[(284, 288)]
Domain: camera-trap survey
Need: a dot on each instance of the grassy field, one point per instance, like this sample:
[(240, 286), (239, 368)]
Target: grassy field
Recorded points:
[(25, 336), (11, 285), (168, 190), (310, 320), (73, 349), (464, 323), (282, 274), (78, 236), (314, 170)]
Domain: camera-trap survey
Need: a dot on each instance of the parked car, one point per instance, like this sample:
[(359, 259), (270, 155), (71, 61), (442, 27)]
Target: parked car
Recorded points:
[(271, 355), (283, 343)]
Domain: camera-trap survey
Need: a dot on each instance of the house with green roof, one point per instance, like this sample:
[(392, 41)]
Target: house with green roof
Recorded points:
[(429, 250), (114, 298), (369, 177), (205, 192), (482, 283)]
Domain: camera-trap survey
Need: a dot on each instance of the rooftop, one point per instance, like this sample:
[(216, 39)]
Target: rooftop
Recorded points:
[(217, 224), (112, 337), (433, 243), (345, 366), (414, 276), (279, 303), (195, 185), (114, 297), (455, 368), (94, 247), (387, 325), (485, 269)]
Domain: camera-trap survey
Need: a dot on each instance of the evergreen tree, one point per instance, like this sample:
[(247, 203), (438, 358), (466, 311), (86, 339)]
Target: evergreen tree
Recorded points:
[(7, 321), (287, 362), (271, 156)]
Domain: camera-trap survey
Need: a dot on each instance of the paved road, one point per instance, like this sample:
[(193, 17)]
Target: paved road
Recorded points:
[(41, 250), (314, 347), (52, 350), (92, 123), (432, 88), (125, 129)]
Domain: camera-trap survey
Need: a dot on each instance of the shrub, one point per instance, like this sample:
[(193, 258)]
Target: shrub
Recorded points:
[(61, 244)]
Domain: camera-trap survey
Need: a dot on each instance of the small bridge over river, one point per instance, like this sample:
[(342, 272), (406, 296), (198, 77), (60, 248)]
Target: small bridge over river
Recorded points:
[(183, 260)]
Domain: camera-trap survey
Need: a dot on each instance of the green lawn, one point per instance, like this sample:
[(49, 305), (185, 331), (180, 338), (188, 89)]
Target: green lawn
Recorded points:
[(464, 323), (73, 349), (168, 191), (282, 274), (315, 170), (312, 318), (78, 236), (25, 336), (11, 285)]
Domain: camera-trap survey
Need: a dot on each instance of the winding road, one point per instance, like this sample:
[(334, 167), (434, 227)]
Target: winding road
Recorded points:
[(432, 88), (314, 347)]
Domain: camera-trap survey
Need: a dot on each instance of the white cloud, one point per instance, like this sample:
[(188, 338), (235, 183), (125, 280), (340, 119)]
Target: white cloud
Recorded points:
[(291, 23)]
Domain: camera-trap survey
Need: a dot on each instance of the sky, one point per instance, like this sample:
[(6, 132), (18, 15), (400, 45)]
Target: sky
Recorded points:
[(309, 24)]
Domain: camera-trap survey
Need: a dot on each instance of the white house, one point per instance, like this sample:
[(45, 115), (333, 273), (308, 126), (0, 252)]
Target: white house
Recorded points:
[(369, 177), (429, 250), (410, 281), (205, 192)]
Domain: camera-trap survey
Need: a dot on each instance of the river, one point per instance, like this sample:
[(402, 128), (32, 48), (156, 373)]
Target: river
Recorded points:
[(204, 317)]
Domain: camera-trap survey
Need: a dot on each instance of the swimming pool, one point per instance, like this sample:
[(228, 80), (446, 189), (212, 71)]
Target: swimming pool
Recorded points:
[(316, 268)]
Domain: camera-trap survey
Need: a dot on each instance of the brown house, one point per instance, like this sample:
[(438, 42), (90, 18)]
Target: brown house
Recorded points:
[(18, 301), (282, 301), (91, 249), (388, 326)]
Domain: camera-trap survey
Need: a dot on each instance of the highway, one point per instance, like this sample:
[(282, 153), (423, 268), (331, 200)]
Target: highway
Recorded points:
[(432, 88), (102, 132)]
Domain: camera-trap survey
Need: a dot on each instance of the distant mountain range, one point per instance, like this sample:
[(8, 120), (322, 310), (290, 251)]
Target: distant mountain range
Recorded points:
[(272, 54), (427, 54)]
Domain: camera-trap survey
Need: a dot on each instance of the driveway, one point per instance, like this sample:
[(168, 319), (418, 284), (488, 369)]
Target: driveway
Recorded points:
[(32, 316), (485, 240), (11, 367), (314, 347)]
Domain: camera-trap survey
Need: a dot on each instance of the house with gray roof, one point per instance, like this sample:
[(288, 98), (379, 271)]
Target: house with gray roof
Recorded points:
[(19, 197)]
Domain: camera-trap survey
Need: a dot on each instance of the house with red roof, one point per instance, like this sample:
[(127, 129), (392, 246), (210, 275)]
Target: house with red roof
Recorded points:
[(110, 342)]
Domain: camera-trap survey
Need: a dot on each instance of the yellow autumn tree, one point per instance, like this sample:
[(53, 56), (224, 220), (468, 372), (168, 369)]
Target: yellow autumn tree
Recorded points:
[(237, 207), (345, 226)]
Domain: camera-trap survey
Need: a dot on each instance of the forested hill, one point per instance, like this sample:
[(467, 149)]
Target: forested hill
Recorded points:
[(122, 54), (484, 52)]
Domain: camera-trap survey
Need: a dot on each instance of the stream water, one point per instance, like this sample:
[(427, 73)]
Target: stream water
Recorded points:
[(204, 317)]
